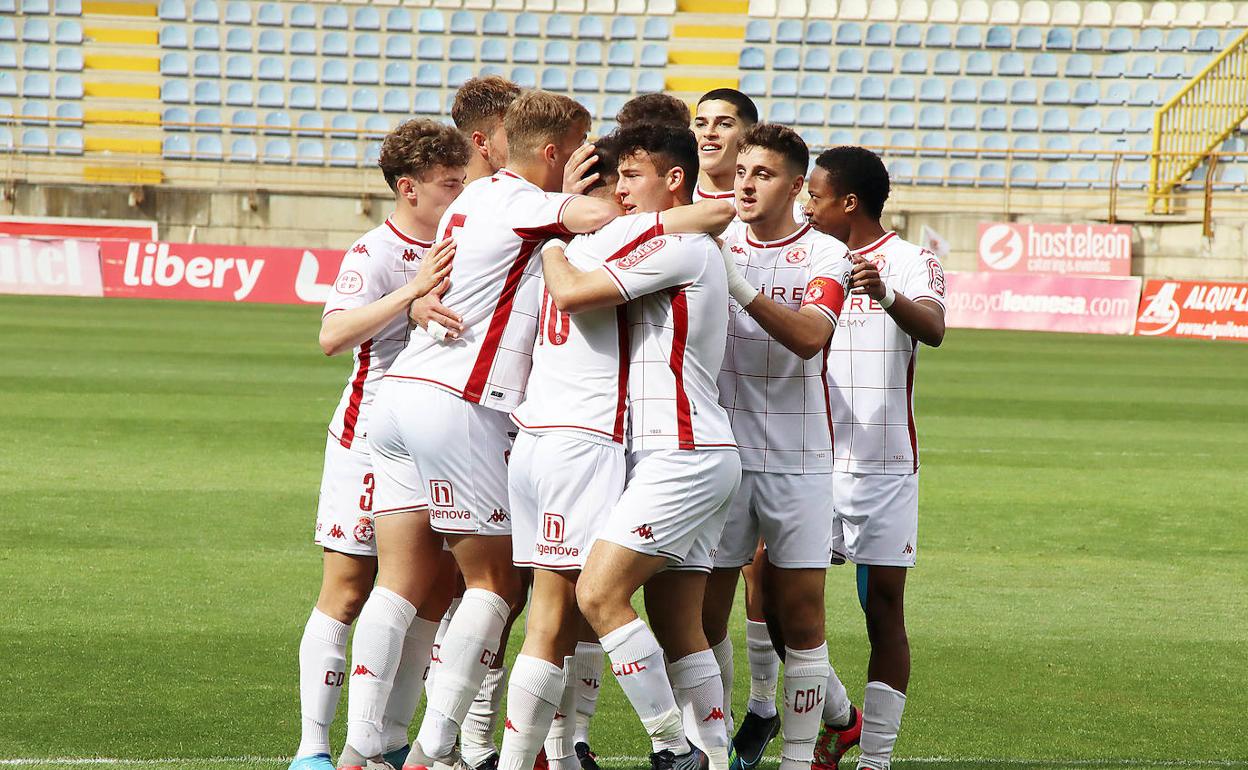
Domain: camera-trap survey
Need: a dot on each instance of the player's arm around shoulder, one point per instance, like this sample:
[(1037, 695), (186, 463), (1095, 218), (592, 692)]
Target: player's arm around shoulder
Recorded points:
[(356, 310), (707, 216), (573, 290), (583, 214)]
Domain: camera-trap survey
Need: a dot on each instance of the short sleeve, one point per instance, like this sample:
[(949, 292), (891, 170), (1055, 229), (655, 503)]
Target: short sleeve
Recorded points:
[(357, 283), (925, 279), (656, 264), (538, 215), (615, 240), (829, 275)]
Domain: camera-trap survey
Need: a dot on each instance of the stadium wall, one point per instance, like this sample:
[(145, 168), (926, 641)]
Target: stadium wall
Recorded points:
[(1160, 249)]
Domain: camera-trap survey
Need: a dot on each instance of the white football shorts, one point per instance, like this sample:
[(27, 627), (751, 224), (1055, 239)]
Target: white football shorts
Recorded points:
[(562, 488), (344, 511), (792, 512), (433, 449), (877, 518), (675, 503)]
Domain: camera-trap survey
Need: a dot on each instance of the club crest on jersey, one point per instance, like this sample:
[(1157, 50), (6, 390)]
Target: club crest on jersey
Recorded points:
[(363, 530), (409, 255), (349, 282), (879, 262), (641, 252), (795, 255), (815, 291)]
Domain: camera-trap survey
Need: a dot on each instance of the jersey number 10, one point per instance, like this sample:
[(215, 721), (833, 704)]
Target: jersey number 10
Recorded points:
[(552, 325)]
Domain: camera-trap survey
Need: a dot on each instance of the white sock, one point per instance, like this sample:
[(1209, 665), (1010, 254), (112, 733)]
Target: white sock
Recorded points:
[(836, 708), (637, 663), (378, 645), (587, 670), (476, 735), (764, 669), (695, 680), (435, 656), (881, 720), (723, 656), (322, 669), (409, 682), (533, 696), (470, 645), (805, 680), (561, 740)]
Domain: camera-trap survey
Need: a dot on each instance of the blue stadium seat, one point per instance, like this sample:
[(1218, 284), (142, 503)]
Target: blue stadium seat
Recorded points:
[(931, 172), (69, 114), (782, 112), (367, 18), (1078, 65), (365, 73), (812, 137), (901, 140), (207, 65), (901, 171), (1177, 40), (585, 81), (1142, 123), (1023, 175), (991, 175), (819, 33), (1206, 41), (462, 49), (35, 113), (239, 95), (68, 33), (1010, 65), (427, 103), (1146, 95), (271, 41), (963, 91), (302, 16), (1059, 39), (938, 36), (208, 148), (871, 115), (998, 37), (302, 71), (36, 57), (558, 25), (650, 82), (590, 28), (35, 142), (961, 174), (878, 34), (342, 154), (238, 68), (1057, 147), (849, 33), (1056, 176), (817, 60), (8, 57), (68, 143), (430, 48), (871, 89), (947, 63), (932, 117), (621, 55), (207, 92), (525, 77), (527, 25), (69, 60), (237, 12), (170, 37), (784, 85), (557, 52), (68, 7), (493, 50), (171, 10), (458, 74), (901, 90), (656, 56), (1044, 65), (813, 87), (310, 153), (243, 150), (343, 125), (333, 71), (932, 90), (206, 39), (366, 45), (429, 76), (618, 82), (785, 59), (994, 142), (269, 15), (334, 17), (908, 36), (244, 121), (992, 119), (68, 87), (789, 31), (1141, 67), (176, 147), (1173, 67), (430, 22), (8, 85), (811, 114), (205, 11), (881, 61), (623, 28), (1025, 119), (494, 23), (979, 63), (871, 139), (303, 98), (842, 87), (303, 43), (753, 84), (1087, 94), (397, 75), (334, 44), (901, 116), (1089, 122), (1056, 92), (1117, 93), (613, 104), (524, 52), (270, 95), (1120, 39), (1058, 120), (962, 119), (1089, 39), (969, 37), (841, 115), (840, 137), (277, 123), (914, 63), (1112, 67), (757, 31), (1028, 39), (1092, 144), (334, 98), (992, 92), (1150, 39), (848, 60), (238, 40)]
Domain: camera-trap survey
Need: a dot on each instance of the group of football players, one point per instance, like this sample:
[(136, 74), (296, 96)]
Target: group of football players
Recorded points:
[(583, 369)]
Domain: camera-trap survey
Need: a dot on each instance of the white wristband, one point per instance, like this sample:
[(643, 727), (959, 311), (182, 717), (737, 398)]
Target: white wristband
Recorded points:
[(738, 288), (437, 330), (890, 297)]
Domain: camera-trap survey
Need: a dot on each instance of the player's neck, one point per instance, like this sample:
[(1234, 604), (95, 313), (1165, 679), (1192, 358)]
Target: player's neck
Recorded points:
[(537, 173), (721, 183), (775, 228), (864, 233), (411, 224), (478, 168)]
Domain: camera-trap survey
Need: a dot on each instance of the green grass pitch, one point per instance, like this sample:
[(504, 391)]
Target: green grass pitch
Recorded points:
[(1081, 598)]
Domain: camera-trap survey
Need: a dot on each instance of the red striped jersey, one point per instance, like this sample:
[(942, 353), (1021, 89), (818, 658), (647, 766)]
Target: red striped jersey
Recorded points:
[(383, 260), (678, 320), (579, 380), (778, 402), (498, 224), (871, 364)]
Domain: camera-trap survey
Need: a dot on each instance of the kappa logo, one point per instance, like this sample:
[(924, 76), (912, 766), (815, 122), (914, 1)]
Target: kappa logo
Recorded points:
[(336, 532), (409, 255), (362, 670), (552, 527), (735, 249), (795, 255), (442, 493), (360, 248), (643, 251), (507, 725), (499, 515), (909, 549), (644, 532), (716, 714), (559, 716), (591, 683), (363, 530)]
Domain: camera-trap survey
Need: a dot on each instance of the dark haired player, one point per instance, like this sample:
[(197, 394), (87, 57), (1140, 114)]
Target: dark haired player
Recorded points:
[(684, 466), (660, 109), (778, 401), (723, 116), (897, 301)]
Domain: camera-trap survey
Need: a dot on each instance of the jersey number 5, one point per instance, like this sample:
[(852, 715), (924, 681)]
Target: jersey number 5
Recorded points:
[(456, 220), (552, 325)]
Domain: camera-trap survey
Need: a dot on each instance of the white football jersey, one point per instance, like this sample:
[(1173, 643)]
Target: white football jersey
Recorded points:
[(871, 365), (579, 380), (498, 223), (778, 402), (383, 260), (678, 320)]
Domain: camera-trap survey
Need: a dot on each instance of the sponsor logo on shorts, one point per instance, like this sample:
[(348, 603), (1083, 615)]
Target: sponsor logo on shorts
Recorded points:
[(450, 514), (336, 532), (552, 527), (362, 670), (498, 516), (556, 550), (441, 493), (716, 713), (363, 530), (644, 532)]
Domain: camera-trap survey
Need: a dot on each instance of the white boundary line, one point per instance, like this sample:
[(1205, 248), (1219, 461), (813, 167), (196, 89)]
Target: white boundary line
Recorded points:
[(938, 761)]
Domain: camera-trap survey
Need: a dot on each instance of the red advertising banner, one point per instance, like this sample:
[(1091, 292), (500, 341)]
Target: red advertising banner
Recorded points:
[(1042, 303), (1023, 247), (65, 268), (1204, 309), (80, 229), (197, 271)]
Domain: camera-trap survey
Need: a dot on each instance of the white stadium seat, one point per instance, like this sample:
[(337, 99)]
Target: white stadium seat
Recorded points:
[(882, 10), (944, 12), (1129, 14), (1097, 14), (913, 10), (1035, 13), (1066, 13), (821, 9), (1162, 14), (1004, 12)]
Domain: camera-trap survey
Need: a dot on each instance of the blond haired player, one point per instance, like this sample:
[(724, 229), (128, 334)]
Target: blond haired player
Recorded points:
[(898, 301), (778, 402), (367, 310), (568, 468), (441, 434)]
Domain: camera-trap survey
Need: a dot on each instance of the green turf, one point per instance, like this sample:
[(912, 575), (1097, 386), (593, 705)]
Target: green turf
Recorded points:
[(1082, 590)]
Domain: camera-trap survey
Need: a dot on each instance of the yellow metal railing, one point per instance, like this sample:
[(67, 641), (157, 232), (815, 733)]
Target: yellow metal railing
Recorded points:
[(1199, 117)]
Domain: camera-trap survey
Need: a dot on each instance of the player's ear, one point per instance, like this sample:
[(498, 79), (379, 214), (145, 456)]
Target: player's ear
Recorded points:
[(549, 153), (675, 178), (479, 141), (406, 189), (798, 184), (851, 203)]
